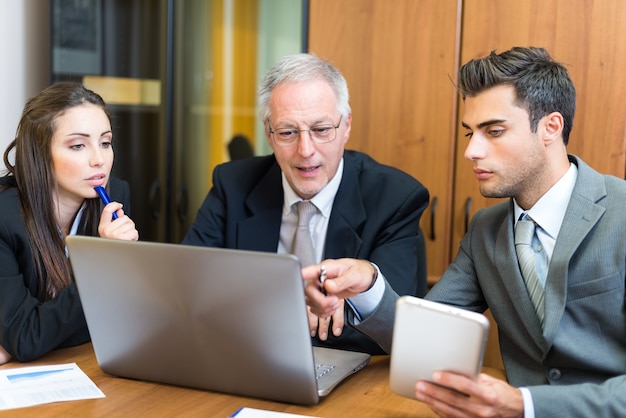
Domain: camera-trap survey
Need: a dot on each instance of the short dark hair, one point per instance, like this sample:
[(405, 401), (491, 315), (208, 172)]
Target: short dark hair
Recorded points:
[(541, 84)]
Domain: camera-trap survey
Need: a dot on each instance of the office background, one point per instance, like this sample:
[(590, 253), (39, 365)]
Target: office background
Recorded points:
[(400, 62), (179, 78), (25, 51)]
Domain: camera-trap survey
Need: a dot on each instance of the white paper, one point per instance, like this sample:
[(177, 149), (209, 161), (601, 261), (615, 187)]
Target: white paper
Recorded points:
[(34, 385), (262, 413)]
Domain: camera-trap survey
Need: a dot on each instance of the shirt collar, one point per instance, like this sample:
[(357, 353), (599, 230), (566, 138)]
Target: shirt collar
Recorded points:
[(549, 210), (322, 200), (75, 225), (77, 219)]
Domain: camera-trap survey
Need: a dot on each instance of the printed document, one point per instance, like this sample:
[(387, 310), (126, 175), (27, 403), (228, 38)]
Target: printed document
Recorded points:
[(28, 386)]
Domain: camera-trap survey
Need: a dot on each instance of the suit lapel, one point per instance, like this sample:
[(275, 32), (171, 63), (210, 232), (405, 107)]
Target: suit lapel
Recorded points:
[(346, 218), (261, 230), (581, 216)]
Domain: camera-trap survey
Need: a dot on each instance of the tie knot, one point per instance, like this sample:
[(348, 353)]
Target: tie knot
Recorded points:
[(524, 231), (306, 210)]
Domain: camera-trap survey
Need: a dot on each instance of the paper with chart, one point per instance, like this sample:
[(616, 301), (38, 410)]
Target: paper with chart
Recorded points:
[(34, 385)]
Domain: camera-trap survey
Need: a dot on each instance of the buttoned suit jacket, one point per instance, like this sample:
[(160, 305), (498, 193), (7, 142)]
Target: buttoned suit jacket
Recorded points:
[(30, 327), (375, 216), (576, 366)]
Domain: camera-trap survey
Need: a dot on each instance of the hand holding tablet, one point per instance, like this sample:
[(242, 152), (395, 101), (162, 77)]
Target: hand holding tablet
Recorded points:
[(429, 337)]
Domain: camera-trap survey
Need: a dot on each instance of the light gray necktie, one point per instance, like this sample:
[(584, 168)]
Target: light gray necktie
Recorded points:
[(528, 258), (302, 245)]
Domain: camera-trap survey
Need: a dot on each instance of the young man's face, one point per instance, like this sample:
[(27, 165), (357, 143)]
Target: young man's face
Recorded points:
[(509, 160)]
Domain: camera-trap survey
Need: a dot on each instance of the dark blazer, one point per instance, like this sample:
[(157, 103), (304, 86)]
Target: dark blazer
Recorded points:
[(375, 216), (576, 366), (29, 327)]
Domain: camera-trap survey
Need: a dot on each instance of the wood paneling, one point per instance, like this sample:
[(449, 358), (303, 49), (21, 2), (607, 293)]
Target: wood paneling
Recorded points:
[(399, 59)]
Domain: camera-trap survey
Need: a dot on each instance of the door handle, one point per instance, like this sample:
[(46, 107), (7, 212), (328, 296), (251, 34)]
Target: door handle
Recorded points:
[(468, 208), (433, 211)]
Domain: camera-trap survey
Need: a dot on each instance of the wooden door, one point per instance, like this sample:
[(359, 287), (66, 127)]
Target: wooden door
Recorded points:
[(399, 59)]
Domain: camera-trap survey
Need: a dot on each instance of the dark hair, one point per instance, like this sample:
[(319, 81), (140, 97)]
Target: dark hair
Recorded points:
[(542, 85), (36, 184)]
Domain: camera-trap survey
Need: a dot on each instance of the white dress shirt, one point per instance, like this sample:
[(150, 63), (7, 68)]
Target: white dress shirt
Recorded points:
[(318, 225)]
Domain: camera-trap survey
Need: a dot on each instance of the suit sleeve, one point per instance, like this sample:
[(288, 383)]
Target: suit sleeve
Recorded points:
[(604, 400), (30, 328), (379, 325), (395, 249)]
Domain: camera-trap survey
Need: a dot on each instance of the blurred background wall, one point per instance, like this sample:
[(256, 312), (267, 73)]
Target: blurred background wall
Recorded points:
[(25, 69)]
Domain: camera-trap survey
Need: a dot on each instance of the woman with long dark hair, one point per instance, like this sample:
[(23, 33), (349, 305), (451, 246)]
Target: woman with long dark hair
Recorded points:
[(62, 150)]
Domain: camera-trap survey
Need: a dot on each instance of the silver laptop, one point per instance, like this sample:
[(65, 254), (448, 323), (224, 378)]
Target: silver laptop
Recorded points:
[(224, 320)]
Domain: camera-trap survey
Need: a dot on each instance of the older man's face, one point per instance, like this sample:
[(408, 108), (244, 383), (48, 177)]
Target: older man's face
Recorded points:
[(308, 166)]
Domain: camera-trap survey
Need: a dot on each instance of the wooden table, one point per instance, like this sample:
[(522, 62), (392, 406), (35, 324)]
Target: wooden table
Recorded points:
[(366, 394)]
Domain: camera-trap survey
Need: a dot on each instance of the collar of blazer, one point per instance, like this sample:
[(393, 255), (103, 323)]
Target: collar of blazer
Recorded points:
[(343, 238), (261, 230), (582, 214)]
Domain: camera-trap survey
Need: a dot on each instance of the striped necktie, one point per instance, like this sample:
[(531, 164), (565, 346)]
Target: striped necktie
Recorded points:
[(529, 254), (302, 245)]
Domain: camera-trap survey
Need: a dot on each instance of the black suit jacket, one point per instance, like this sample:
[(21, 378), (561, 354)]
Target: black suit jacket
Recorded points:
[(29, 327), (375, 216)]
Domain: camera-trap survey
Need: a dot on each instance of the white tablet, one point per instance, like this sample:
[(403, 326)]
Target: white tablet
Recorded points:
[(429, 337)]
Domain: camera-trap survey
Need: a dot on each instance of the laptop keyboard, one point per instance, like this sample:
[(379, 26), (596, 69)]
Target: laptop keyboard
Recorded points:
[(323, 369)]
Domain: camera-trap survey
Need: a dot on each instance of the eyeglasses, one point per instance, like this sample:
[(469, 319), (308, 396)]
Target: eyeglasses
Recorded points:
[(320, 134)]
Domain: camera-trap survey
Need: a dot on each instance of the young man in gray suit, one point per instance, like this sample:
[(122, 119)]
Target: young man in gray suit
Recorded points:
[(365, 211), (565, 356)]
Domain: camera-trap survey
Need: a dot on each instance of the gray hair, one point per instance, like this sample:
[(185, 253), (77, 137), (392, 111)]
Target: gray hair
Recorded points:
[(298, 68)]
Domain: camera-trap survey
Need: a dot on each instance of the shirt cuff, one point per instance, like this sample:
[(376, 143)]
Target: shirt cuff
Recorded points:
[(365, 303), (529, 407)]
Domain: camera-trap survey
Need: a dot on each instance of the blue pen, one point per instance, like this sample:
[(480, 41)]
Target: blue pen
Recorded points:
[(105, 197)]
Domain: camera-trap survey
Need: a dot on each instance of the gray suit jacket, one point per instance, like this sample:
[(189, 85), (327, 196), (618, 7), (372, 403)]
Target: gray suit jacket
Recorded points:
[(577, 365)]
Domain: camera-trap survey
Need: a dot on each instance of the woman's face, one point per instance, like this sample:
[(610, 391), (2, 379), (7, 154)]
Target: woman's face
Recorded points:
[(82, 153)]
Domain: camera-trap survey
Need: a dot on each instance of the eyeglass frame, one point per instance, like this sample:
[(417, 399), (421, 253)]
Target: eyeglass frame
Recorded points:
[(272, 132)]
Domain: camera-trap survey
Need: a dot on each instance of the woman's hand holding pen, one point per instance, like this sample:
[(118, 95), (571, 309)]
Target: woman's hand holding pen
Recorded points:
[(121, 228)]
